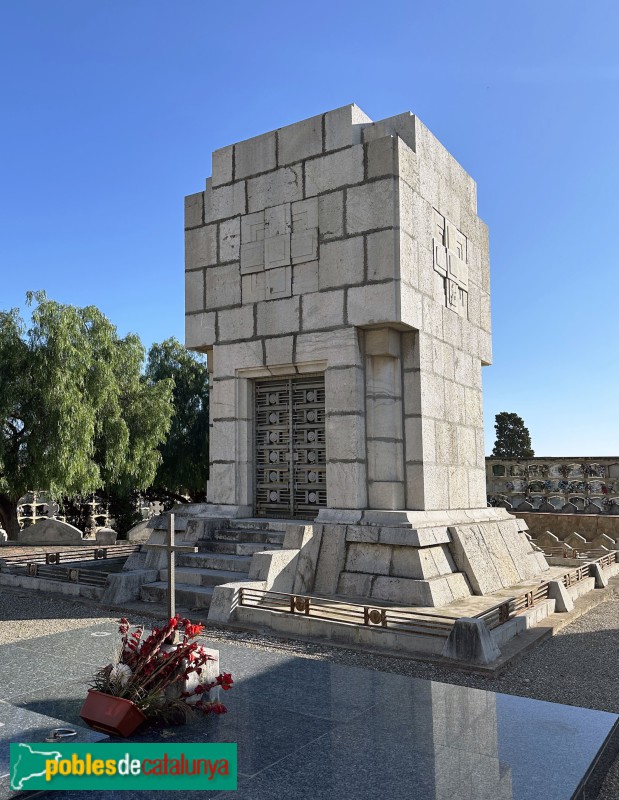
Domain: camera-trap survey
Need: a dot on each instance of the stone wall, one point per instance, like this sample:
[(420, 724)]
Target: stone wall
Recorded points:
[(590, 526), (565, 483)]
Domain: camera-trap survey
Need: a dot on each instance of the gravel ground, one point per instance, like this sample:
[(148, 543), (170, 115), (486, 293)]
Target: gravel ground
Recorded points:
[(575, 667)]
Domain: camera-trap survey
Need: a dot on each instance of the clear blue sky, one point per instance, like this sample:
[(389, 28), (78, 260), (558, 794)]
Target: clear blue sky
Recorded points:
[(110, 111)]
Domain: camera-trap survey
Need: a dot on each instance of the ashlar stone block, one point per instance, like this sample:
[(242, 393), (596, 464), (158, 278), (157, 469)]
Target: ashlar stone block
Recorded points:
[(331, 215), (222, 286), (382, 256), (277, 251), (329, 172), (200, 330), (341, 263), (300, 141), (253, 227), (346, 485), (278, 317), (386, 494), (305, 278), (255, 155), (279, 350), (343, 126), (194, 210), (222, 165), (304, 215), (323, 310), (408, 258), (252, 257), (278, 283), (253, 287), (411, 306), (345, 437), (403, 125), (201, 247), (371, 206), (278, 220), (224, 201), (374, 559), (222, 483), (240, 355), (381, 155), (373, 303), (284, 185), (338, 348), (419, 440), (194, 290), (418, 562), (229, 240), (408, 164), (304, 246), (236, 323), (345, 390)]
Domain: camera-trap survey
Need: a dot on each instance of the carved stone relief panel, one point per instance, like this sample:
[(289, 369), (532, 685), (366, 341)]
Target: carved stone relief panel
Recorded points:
[(451, 262), (271, 242)]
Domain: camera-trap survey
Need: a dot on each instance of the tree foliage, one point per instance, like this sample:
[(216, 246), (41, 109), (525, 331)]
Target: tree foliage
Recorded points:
[(184, 464), (513, 439), (76, 413)]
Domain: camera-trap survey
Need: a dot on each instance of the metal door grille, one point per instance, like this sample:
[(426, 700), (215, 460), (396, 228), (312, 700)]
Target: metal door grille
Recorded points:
[(290, 447)]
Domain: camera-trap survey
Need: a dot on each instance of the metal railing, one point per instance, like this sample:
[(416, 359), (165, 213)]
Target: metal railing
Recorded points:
[(110, 551), (402, 620), (377, 616), (572, 552), (91, 577)]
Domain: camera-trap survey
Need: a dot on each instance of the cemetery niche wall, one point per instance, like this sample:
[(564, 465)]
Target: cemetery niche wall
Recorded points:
[(567, 484), (337, 276)]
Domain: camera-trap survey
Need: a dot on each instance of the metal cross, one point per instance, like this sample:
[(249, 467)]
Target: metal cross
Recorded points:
[(171, 550)]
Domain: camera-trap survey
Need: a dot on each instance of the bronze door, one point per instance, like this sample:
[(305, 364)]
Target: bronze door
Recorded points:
[(290, 447)]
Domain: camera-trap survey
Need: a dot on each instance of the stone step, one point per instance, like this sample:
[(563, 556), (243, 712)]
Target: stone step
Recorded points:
[(186, 596), (206, 560), (252, 525), (248, 535), (235, 548), (202, 577)]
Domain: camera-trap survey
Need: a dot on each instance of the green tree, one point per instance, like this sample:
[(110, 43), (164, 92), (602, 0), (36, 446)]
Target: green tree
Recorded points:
[(76, 413), (184, 454), (513, 439)]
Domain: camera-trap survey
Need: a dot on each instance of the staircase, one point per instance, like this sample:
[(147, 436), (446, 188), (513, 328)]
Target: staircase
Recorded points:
[(224, 558)]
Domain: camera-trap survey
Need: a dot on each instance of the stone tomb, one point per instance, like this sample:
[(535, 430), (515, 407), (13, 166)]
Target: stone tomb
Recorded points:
[(337, 276)]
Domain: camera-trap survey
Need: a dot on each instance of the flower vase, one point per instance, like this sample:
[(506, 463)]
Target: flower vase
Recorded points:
[(109, 714)]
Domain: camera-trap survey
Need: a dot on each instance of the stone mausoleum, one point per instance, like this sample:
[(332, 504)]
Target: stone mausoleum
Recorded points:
[(337, 276)]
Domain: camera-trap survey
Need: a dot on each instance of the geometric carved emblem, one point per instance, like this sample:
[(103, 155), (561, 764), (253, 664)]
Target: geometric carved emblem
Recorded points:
[(450, 261), (276, 238)]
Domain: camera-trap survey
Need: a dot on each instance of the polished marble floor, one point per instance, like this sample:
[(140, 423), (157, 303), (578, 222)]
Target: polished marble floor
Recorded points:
[(309, 729)]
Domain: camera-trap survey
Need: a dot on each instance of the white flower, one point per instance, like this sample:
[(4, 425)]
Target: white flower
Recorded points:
[(121, 673)]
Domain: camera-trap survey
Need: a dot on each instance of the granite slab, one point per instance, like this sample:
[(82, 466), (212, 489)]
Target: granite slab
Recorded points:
[(309, 729), (21, 725)]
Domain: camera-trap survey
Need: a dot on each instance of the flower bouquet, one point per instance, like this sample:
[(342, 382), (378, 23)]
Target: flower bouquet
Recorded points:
[(153, 679)]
